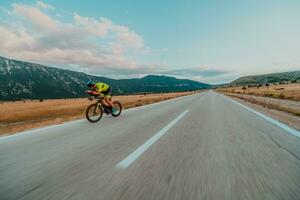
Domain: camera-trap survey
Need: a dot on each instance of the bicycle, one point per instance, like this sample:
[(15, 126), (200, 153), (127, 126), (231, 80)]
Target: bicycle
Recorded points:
[(95, 111)]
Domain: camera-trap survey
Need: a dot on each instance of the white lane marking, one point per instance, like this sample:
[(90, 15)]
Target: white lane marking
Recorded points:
[(273, 121), (139, 151)]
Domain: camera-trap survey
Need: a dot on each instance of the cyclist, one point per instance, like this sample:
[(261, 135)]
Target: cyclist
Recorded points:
[(102, 89)]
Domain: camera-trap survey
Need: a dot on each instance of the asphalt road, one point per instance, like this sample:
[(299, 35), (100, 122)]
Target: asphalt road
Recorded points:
[(202, 146)]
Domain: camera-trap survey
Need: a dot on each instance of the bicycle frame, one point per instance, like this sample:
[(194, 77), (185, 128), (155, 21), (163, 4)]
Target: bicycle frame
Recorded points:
[(102, 105)]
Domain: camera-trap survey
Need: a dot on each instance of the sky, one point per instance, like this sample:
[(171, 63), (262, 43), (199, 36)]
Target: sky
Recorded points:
[(213, 41)]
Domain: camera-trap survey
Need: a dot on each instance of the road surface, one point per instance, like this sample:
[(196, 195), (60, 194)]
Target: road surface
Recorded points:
[(202, 146)]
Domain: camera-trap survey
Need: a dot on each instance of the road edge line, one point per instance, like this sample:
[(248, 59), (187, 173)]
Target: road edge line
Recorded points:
[(269, 119), (26, 133)]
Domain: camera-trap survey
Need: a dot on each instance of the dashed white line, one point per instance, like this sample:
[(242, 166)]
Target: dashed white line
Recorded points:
[(139, 151)]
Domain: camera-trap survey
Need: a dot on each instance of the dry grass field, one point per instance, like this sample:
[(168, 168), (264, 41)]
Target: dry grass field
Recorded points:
[(283, 91), (285, 111), (20, 116), (283, 97)]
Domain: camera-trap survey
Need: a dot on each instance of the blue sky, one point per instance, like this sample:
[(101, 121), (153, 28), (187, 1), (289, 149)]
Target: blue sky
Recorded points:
[(208, 41)]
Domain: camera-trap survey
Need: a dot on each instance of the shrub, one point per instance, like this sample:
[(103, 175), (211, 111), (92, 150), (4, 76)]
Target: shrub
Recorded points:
[(138, 104), (269, 95), (281, 96)]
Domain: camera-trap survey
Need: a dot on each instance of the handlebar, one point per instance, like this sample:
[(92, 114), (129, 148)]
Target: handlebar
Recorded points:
[(93, 96), (96, 97), (90, 92)]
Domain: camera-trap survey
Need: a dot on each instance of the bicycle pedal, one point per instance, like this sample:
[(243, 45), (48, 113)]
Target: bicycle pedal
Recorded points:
[(106, 112)]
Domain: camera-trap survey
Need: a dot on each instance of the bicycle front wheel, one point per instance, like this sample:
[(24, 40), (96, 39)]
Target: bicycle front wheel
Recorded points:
[(93, 113)]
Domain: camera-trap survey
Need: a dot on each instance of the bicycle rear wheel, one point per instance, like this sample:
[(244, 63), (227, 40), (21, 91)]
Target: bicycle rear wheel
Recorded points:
[(118, 107), (93, 113)]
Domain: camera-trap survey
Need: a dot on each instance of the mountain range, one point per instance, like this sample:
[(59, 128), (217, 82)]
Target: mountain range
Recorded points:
[(267, 78), (25, 80)]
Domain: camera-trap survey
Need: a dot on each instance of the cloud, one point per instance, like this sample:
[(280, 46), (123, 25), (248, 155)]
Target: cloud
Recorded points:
[(43, 5), (87, 44), (95, 27), (102, 26), (35, 17), (203, 74), (220, 79), (196, 71), (129, 38)]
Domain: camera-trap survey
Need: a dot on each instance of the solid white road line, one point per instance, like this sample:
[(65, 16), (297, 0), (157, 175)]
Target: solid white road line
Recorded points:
[(139, 151), (269, 119)]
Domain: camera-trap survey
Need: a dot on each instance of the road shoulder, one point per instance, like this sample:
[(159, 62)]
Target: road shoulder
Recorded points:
[(289, 119)]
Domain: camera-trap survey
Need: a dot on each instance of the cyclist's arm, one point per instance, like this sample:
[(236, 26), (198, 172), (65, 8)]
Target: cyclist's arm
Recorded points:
[(93, 92), (96, 93)]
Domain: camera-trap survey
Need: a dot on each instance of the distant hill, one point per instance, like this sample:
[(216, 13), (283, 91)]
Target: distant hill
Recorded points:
[(267, 78), (24, 80)]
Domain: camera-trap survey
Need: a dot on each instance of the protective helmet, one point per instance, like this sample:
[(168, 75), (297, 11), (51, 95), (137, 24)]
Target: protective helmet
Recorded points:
[(90, 83)]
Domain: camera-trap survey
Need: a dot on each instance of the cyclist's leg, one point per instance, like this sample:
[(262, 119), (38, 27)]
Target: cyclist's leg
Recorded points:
[(102, 95), (107, 98)]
